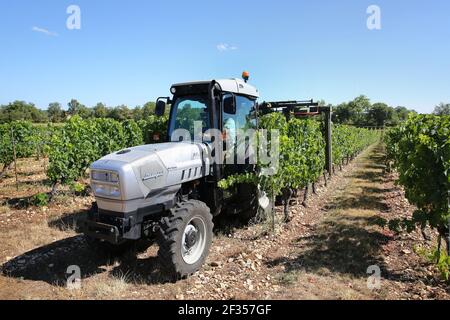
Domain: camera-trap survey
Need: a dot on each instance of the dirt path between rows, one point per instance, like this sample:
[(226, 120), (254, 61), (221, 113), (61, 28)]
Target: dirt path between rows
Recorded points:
[(323, 253)]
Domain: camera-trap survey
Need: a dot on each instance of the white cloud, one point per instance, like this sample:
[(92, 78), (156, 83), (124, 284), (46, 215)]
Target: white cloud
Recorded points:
[(44, 31), (225, 47)]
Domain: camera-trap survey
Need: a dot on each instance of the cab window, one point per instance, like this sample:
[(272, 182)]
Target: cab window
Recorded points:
[(244, 117)]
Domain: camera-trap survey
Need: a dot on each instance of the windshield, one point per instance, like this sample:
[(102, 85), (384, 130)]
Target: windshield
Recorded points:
[(187, 110)]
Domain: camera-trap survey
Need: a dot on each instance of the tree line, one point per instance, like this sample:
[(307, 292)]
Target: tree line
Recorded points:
[(21, 110), (360, 111)]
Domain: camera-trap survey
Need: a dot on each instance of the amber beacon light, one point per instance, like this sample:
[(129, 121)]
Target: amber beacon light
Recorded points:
[(245, 75)]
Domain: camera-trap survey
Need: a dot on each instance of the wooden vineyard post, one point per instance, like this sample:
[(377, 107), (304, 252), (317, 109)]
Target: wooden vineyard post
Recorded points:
[(15, 157), (273, 208), (328, 143)]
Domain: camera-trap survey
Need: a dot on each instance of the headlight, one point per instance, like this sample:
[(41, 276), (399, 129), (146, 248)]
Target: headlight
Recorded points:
[(106, 190), (113, 177), (105, 183), (105, 176)]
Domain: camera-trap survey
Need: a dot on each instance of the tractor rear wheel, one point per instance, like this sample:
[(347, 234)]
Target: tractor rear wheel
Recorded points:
[(185, 237)]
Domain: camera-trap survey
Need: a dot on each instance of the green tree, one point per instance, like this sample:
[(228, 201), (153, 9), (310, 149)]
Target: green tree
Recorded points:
[(137, 113), (353, 112), (100, 110), (85, 112), (120, 113), (20, 110), (359, 107), (148, 109), (380, 114), (342, 113), (402, 113), (74, 107), (442, 109), (55, 112), (361, 112)]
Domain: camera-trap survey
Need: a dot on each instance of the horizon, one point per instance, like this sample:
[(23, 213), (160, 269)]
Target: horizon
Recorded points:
[(131, 54)]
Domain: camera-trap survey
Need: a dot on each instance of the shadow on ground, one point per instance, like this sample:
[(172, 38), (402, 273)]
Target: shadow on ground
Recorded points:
[(19, 203), (365, 202), (341, 246), (69, 221), (49, 263)]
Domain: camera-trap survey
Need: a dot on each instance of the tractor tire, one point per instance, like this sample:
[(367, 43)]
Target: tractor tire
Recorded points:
[(185, 237)]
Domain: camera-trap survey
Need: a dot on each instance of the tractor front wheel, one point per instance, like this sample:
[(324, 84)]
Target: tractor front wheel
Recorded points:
[(185, 237)]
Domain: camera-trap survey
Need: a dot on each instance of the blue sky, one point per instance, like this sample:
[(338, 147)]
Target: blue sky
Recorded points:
[(130, 52)]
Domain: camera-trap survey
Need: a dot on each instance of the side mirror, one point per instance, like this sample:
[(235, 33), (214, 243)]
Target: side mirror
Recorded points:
[(160, 108), (228, 105)]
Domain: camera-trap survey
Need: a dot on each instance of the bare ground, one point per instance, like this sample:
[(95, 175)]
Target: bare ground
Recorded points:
[(323, 253)]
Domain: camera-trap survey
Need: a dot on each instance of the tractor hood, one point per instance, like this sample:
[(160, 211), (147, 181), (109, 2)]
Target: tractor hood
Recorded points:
[(147, 168)]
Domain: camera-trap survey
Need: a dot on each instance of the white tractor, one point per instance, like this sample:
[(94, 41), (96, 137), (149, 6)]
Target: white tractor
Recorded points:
[(171, 189)]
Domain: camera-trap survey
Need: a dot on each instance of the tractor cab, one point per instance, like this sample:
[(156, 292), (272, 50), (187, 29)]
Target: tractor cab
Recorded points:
[(217, 104)]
